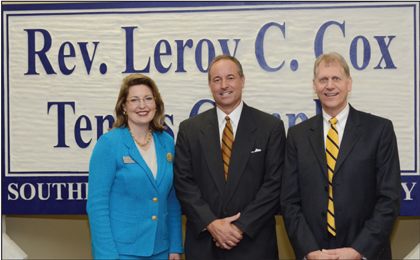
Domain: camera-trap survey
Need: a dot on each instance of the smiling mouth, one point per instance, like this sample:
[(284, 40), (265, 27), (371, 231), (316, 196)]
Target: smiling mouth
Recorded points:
[(142, 113), (331, 95), (226, 93)]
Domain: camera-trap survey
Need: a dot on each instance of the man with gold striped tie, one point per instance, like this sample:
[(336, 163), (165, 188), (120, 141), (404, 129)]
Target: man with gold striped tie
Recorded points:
[(341, 185), (227, 172)]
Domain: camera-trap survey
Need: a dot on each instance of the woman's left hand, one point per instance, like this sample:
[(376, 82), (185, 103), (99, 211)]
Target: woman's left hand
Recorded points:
[(174, 256)]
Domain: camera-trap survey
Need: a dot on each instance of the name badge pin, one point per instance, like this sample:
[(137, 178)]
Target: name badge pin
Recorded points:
[(169, 157)]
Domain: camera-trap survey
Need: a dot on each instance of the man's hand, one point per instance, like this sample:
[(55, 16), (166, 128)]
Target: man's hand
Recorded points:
[(225, 234), (321, 255), (344, 253), (235, 228), (174, 256)]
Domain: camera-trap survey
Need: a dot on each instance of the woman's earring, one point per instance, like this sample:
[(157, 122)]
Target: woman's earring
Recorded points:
[(124, 113)]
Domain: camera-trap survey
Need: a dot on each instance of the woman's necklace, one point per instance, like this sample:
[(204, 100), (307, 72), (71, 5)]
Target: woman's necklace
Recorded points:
[(141, 144)]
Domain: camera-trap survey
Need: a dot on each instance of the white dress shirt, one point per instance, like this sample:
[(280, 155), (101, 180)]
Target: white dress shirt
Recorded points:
[(341, 124), (234, 120)]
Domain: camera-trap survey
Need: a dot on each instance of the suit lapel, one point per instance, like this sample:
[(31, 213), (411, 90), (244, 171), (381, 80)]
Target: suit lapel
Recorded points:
[(161, 157), (210, 143), (316, 138), (242, 147), (350, 137), (135, 155)]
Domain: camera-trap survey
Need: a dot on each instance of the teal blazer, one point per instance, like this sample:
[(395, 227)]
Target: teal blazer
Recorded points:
[(129, 211)]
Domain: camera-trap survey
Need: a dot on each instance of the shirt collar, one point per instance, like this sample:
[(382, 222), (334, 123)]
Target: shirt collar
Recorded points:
[(234, 116), (341, 117)]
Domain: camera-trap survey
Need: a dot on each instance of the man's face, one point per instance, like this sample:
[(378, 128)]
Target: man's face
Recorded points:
[(226, 85), (332, 87)]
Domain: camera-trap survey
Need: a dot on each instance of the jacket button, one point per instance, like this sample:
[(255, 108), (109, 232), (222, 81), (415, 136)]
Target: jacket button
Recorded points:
[(155, 200), (323, 214), (154, 218), (326, 188)]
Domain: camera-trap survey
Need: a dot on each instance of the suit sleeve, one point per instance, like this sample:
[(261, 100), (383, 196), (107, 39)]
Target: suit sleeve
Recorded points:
[(189, 195), (378, 228), (266, 203), (102, 170), (298, 230), (175, 222)]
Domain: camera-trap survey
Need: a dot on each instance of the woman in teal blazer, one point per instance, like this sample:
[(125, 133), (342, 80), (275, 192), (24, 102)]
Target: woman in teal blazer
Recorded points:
[(132, 207)]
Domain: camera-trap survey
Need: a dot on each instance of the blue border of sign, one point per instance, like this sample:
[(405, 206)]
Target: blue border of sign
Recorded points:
[(409, 207)]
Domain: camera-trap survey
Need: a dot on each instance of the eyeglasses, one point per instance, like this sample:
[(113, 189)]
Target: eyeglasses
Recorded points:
[(136, 101)]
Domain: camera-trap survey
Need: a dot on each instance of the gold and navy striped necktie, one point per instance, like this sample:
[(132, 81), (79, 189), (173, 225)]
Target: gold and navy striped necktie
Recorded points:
[(227, 144), (332, 148)]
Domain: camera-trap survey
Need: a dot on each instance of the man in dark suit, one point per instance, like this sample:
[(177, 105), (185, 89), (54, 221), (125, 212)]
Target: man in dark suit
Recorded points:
[(230, 204), (352, 214)]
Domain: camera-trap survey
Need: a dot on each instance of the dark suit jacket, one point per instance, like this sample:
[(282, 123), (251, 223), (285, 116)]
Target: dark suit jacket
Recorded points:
[(252, 188), (367, 186)]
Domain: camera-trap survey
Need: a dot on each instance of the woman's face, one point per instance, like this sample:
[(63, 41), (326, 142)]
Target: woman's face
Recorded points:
[(140, 105)]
